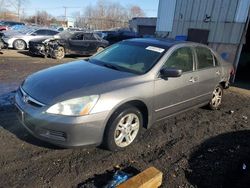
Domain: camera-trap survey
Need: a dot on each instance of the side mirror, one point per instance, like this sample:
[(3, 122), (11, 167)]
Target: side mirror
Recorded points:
[(33, 34), (170, 73)]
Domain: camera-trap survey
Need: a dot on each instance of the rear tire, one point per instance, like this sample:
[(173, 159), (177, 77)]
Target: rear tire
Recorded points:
[(123, 128), (216, 98)]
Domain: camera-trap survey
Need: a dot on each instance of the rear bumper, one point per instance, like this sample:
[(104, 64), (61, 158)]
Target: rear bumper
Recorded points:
[(63, 131)]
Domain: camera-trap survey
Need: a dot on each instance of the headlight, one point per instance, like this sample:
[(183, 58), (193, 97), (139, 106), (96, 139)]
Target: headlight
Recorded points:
[(74, 107)]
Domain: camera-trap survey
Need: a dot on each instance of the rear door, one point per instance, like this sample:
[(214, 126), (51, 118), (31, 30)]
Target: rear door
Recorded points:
[(176, 94), (91, 41), (208, 71)]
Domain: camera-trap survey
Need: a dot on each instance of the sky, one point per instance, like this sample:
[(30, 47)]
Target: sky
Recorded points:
[(56, 7)]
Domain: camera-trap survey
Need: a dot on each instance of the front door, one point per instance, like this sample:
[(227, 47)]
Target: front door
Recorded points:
[(176, 94), (77, 44)]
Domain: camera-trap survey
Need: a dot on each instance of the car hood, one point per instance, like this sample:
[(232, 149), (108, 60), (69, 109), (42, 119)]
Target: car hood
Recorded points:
[(72, 80)]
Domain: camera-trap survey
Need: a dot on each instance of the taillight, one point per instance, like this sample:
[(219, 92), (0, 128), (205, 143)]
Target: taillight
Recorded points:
[(232, 72)]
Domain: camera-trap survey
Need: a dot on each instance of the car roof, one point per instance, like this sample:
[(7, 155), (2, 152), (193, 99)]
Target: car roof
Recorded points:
[(160, 42)]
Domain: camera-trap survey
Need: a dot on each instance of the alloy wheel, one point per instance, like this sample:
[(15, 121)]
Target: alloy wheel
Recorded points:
[(127, 130), (217, 97)]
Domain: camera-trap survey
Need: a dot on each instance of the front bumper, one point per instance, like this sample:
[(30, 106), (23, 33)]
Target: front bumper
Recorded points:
[(64, 131), (37, 49)]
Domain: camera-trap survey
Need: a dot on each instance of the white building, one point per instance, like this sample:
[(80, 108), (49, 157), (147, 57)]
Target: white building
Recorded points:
[(222, 24)]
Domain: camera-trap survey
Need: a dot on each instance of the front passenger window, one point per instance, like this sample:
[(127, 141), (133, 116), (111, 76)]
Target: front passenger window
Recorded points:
[(181, 59)]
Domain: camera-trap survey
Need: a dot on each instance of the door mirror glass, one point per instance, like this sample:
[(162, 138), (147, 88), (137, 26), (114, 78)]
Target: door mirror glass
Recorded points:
[(170, 73)]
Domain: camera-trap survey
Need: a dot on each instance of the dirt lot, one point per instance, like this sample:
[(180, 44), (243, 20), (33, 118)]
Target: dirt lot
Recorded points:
[(199, 148)]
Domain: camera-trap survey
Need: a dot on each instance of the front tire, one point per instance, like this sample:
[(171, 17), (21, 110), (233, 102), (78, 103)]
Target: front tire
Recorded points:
[(123, 128), (216, 98), (59, 53), (19, 44)]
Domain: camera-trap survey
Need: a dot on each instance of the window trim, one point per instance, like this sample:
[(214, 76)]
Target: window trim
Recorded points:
[(177, 48), (197, 61)]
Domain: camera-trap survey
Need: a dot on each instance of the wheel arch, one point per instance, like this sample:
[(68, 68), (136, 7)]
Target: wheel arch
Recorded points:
[(141, 105), (224, 84)]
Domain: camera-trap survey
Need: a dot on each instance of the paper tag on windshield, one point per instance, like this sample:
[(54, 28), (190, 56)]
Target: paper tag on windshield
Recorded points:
[(155, 49)]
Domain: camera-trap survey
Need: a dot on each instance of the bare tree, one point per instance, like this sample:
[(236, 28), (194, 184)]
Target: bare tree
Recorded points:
[(41, 18), (106, 15), (136, 11), (11, 6)]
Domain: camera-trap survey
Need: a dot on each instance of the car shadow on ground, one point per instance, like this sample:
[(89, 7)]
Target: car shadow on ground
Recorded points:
[(221, 161), (11, 123), (73, 56), (27, 53)]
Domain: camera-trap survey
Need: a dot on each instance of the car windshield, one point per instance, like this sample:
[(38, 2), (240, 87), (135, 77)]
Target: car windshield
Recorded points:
[(129, 57)]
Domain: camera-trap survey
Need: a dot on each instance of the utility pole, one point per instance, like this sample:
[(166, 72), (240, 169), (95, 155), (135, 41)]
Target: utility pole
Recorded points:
[(65, 13), (18, 9)]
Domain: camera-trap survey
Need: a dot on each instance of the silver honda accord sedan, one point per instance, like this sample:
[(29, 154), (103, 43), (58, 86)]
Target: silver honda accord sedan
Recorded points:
[(109, 98)]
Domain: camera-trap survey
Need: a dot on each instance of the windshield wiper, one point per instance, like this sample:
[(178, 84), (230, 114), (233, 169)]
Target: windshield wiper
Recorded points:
[(108, 65)]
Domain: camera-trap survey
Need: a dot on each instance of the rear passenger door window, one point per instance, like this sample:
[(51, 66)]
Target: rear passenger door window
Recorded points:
[(181, 59), (204, 57)]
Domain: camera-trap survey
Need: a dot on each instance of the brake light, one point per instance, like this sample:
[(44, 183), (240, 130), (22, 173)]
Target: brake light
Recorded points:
[(232, 72)]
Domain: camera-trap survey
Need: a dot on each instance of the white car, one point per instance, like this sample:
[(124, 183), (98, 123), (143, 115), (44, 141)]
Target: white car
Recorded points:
[(20, 40)]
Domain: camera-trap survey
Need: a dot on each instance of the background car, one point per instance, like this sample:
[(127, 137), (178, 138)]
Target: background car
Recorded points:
[(20, 40), (109, 98), (68, 42), (5, 25), (114, 36)]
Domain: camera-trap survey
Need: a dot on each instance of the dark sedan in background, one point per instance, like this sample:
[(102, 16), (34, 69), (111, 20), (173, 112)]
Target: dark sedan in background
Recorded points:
[(67, 43), (119, 35)]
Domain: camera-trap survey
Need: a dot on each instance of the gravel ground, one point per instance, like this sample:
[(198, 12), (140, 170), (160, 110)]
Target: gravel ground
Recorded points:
[(199, 148)]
